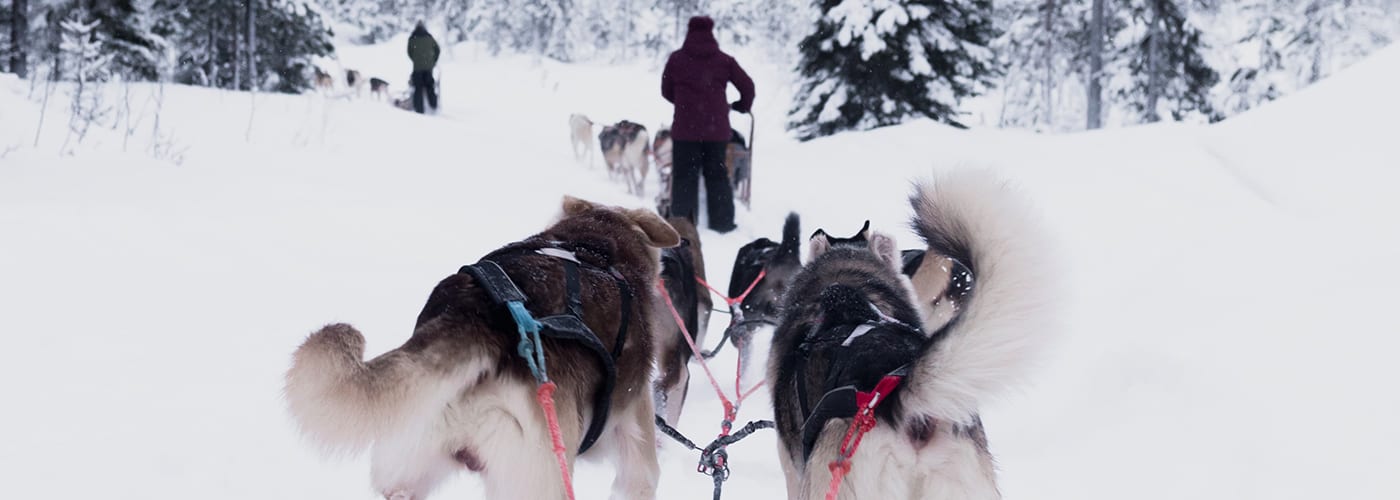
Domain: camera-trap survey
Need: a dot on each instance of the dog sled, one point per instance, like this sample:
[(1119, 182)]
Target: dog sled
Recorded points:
[(738, 162), (404, 100)]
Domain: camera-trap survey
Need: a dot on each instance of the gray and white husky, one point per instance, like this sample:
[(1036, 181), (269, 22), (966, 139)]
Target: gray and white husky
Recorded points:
[(851, 318)]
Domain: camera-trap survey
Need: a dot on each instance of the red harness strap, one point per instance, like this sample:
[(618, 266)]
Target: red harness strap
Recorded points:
[(864, 420)]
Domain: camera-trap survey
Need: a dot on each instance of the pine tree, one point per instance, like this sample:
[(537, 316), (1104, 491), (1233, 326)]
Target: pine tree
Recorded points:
[(1040, 44), (1298, 42), (89, 58), (872, 63), (1167, 68), (1259, 81), (18, 22), (1332, 34), (289, 34)]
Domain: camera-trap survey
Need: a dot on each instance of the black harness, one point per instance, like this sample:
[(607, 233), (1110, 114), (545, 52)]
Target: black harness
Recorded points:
[(569, 325), (858, 356)]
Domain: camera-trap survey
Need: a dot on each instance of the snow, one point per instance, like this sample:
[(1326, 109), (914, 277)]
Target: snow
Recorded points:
[(1228, 298)]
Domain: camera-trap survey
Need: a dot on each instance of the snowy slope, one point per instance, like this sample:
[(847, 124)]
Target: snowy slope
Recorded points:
[(1227, 288)]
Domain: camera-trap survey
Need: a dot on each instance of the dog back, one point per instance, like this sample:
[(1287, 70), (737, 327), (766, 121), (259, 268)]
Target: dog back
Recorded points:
[(776, 262), (844, 286)]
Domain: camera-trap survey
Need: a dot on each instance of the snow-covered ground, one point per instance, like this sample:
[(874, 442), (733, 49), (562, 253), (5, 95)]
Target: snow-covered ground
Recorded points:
[(1228, 305)]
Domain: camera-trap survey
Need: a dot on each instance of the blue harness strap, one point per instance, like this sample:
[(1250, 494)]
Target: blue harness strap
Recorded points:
[(568, 325)]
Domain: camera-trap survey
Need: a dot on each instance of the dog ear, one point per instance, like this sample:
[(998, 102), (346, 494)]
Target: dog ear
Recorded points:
[(657, 232), (575, 206), (885, 248), (818, 244)]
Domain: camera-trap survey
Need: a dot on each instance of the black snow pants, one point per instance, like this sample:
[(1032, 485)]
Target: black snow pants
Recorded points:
[(690, 160), (423, 86)]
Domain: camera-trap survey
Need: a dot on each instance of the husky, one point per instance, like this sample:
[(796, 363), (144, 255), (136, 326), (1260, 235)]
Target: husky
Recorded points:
[(456, 396), (354, 82), (851, 318), (626, 147), (324, 82), (661, 155), (379, 88), (581, 137), (766, 266), (679, 268), (938, 272)]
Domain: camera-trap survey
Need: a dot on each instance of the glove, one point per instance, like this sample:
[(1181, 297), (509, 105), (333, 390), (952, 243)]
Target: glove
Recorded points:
[(739, 106)]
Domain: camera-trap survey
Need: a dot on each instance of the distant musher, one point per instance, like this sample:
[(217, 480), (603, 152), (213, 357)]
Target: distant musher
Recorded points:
[(424, 51)]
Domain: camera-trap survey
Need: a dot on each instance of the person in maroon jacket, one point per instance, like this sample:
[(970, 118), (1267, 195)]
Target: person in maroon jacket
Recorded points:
[(694, 81)]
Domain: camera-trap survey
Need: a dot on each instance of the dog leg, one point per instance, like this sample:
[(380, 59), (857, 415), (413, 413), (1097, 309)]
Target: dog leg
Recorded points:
[(519, 455), (410, 464), (673, 398), (957, 465), (742, 338), (790, 473), (634, 436)]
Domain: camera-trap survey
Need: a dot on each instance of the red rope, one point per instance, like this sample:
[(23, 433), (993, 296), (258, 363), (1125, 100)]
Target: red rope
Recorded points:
[(545, 395), (731, 408), (686, 335), (740, 298), (861, 424)]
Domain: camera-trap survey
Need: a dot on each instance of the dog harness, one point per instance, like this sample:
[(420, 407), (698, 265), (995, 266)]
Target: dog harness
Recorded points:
[(866, 363), (569, 325)]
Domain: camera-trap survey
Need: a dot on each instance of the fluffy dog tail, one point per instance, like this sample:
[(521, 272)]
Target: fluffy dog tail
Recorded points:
[(975, 218), (343, 403), (792, 239)]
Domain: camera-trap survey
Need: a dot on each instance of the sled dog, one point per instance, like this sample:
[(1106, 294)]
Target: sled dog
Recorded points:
[(456, 396), (852, 320), (581, 137), (679, 268), (625, 147), (776, 263)]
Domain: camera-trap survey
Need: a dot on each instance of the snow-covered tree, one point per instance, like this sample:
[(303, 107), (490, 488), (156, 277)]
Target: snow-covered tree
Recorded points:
[(1332, 34), (88, 58), (1041, 45), (872, 63), (289, 33), (1263, 77), (1165, 67), (17, 20), (86, 50), (1294, 43)]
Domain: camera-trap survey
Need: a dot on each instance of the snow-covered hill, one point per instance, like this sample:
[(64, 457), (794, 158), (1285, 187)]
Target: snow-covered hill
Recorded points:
[(1227, 307)]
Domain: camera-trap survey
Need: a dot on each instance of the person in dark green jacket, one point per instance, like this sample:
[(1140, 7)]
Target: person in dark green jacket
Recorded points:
[(424, 51)]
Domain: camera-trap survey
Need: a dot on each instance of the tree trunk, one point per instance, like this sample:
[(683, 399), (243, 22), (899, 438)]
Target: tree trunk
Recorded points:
[(252, 48), (236, 45), (1047, 87), (1155, 32), (1096, 36), (627, 27), (19, 34), (211, 65)]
